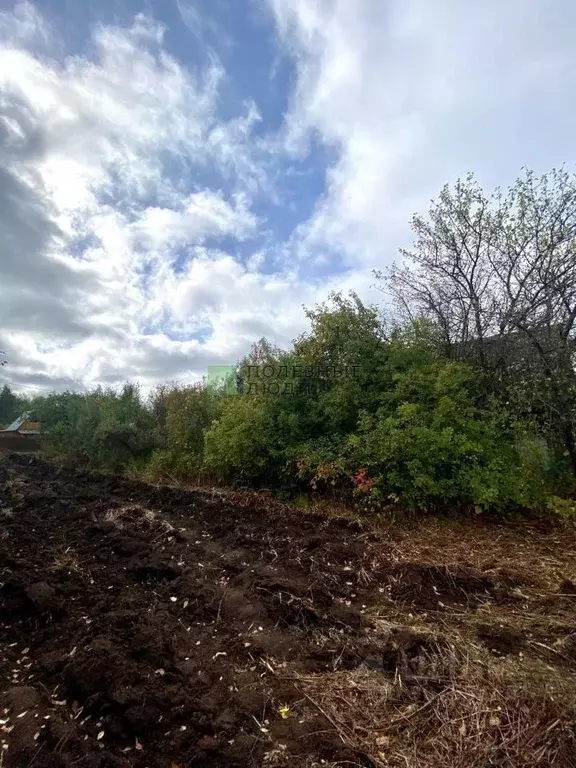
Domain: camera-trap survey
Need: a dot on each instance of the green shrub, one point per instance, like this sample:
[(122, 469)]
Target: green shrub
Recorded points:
[(239, 446), (434, 445), (563, 508)]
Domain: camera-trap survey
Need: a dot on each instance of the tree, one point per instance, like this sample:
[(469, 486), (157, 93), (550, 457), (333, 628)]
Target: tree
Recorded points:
[(189, 412), (262, 352), (431, 444), (497, 274), (302, 403), (126, 429), (9, 406), (158, 406), (104, 427), (347, 350)]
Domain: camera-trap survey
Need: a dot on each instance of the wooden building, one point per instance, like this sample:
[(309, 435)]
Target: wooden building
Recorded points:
[(23, 435)]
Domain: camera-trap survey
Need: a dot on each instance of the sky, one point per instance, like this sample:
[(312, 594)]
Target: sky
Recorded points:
[(179, 178)]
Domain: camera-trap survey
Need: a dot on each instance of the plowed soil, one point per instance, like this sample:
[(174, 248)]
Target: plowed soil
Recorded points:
[(152, 626)]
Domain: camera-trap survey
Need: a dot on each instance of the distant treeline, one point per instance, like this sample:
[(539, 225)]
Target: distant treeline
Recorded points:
[(459, 393)]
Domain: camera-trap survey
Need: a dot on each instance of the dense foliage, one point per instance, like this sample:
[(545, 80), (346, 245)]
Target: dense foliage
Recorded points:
[(464, 396), (102, 427), (11, 406)]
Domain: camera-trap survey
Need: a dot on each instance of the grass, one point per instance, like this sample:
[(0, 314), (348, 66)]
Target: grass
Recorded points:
[(480, 711)]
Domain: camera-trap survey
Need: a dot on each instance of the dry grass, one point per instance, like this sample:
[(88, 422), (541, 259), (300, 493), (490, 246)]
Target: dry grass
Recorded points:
[(136, 516), (66, 559), (458, 701), (541, 554), (485, 712)]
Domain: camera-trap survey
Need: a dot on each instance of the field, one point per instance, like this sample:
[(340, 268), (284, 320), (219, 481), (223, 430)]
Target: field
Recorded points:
[(162, 628)]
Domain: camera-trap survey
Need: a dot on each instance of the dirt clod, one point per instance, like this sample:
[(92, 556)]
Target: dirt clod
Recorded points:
[(502, 640)]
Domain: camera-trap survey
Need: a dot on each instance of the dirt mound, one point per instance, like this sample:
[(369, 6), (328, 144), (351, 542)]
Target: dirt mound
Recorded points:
[(433, 587)]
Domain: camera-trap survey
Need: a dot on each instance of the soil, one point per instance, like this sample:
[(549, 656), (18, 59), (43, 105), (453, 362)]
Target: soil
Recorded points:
[(159, 627), (502, 640)]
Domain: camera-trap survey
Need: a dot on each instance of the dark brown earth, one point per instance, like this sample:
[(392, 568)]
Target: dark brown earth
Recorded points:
[(152, 626)]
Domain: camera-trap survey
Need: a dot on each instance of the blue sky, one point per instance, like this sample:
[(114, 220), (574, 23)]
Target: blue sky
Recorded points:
[(179, 177)]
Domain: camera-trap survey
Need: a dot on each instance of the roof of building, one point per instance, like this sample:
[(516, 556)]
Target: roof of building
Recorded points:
[(15, 426)]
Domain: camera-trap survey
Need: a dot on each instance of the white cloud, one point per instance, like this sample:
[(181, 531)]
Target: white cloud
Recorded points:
[(106, 270), (201, 214), (413, 93), (24, 25), (83, 143)]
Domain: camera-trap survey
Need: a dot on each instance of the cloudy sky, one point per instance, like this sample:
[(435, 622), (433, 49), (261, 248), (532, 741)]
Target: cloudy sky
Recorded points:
[(178, 177)]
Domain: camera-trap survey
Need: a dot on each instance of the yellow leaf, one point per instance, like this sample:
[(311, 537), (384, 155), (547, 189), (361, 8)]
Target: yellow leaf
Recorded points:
[(284, 710)]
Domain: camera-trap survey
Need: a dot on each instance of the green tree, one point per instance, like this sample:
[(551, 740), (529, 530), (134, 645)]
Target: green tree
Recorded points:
[(185, 413), (158, 406), (10, 406), (68, 421), (262, 353), (189, 412), (103, 427), (347, 350), (125, 432), (497, 275)]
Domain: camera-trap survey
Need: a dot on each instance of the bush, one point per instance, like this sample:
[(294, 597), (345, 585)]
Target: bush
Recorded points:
[(104, 428), (239, 446), (434, 445)]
